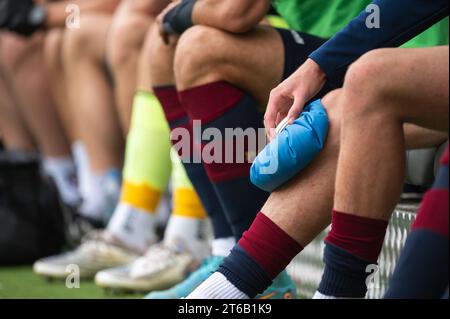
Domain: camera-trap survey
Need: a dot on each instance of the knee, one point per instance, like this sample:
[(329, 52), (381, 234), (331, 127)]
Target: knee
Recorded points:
[(125, 40), (200, 51), (76, 42), (335, 115), (53, 49), (364, 84), (15, 51)]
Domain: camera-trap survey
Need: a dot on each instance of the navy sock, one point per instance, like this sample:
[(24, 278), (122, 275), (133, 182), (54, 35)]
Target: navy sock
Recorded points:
[(177, 118), (344, 275), (220, 106), (245, 273), (353, 243)]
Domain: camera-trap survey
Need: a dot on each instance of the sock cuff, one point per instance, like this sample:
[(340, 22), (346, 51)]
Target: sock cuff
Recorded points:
[(168, 97), (197, 101), (360, 236), (141, 196), (269, 245), (186, 203), (289, 243)]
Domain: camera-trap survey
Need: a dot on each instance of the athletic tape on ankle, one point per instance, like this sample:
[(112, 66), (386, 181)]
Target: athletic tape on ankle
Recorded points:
[(292, 150)]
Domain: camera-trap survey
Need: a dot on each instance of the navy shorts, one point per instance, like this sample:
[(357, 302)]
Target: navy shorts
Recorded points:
[(297, 47)]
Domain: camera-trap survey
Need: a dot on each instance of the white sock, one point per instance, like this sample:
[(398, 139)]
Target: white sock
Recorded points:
[(217, 287), (192, 231), (81, 159), (63, 172), (134, 227), (319, 295), (222, 247), (101, 196)]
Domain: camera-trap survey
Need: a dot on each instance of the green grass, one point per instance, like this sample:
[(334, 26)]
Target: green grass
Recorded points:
[(22, 283)]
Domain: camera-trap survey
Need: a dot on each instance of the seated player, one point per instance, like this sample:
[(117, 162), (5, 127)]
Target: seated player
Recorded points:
[(133, 226), (28, 119), (47, 17), (281, 232), (217, 73)]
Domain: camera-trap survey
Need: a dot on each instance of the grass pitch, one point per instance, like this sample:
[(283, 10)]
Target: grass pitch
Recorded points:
[(22, 283)]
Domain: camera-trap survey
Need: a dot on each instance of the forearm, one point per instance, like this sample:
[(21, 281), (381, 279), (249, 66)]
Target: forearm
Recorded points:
[(57, 15), (232, 15), (400, 21)]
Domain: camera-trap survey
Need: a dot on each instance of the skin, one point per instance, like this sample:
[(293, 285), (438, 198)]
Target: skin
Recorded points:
[(199, 60), (96, 121), (314, 187), (382, 91), (25, 75), (15, 134), (56, 14), (125, 40)]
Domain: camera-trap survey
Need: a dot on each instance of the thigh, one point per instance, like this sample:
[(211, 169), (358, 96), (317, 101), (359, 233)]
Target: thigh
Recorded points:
[(256, 61), (416, 82), (129, 24)]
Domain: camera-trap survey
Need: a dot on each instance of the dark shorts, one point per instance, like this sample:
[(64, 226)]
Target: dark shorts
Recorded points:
[(297, 47)]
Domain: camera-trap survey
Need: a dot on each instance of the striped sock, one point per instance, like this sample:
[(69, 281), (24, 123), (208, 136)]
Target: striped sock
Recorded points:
[(422, 269)]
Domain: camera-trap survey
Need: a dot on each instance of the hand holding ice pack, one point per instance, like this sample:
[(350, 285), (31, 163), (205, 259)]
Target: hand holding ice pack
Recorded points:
[(292, 149)]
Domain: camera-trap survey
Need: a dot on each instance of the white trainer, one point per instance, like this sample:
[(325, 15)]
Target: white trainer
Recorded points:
[(98, 251)]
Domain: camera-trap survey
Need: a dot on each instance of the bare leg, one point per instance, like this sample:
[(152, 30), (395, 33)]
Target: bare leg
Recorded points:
[(58, 83), (90, 94), (25, 70), (376, 106), (14, 131), (314, 187), (125, 40), (238, 59)]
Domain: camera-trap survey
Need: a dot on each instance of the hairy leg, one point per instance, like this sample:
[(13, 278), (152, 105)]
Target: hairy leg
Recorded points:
[(376, 107)]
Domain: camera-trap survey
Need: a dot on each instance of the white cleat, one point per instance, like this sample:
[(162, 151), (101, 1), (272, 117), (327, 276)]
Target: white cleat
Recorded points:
[(98, 251), (163, 266)]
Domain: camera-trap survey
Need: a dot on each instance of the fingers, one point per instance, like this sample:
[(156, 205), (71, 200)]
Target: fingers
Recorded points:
[(296, 109), (271, 115)]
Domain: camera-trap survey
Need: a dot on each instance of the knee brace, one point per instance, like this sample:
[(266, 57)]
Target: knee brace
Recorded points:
[(292, 150)]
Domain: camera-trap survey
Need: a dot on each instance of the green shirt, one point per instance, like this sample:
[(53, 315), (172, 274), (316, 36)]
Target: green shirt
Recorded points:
[(324, 18)]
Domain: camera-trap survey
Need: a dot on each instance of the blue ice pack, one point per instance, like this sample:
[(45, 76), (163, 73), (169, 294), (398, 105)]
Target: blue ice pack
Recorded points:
[(292, 149)]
